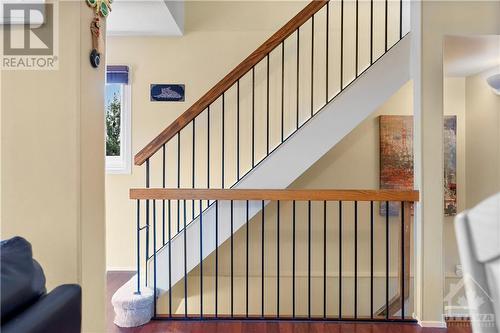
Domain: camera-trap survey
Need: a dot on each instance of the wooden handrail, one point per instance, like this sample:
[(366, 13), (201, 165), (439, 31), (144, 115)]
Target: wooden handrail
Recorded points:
[(265, 194), (230, 79)]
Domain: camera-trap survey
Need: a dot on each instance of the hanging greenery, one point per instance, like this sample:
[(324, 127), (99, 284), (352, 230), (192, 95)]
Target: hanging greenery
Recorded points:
[(102, 7)]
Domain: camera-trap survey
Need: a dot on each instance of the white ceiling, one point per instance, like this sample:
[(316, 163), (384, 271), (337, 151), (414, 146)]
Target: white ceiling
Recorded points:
[(146, 18), (469, 55)]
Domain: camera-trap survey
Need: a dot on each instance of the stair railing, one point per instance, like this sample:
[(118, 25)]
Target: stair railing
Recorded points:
[(307, 225)]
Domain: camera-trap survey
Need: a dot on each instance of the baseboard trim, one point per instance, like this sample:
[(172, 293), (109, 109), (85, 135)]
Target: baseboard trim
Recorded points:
[(430, 323)]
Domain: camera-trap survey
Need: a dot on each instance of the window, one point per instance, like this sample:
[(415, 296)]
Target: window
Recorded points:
[(118, 118)]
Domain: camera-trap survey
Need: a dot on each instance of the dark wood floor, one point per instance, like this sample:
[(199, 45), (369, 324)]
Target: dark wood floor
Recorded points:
[(116, 279)]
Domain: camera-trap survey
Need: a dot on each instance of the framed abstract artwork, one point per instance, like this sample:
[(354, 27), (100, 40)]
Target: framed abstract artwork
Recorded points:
[(450, 165)]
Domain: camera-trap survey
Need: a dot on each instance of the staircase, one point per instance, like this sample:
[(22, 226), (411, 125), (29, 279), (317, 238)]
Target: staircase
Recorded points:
[(261, 127)]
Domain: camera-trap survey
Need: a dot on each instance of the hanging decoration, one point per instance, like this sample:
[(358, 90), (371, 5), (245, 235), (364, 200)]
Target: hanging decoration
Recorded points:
[(101, 8)]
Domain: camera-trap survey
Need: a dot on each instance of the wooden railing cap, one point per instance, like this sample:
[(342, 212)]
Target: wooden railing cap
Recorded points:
[(273, 194)]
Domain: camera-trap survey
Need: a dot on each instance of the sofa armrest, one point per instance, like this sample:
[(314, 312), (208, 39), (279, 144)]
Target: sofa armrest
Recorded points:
[(57, 312)]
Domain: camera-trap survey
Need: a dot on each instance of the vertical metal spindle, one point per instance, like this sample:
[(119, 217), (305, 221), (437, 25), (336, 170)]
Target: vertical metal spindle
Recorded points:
[(371, 32), (387, 259), (201, 260), (324, 259), (232, 261), (341, 45), (267, 105), (400, 19), (386, 25), (327, 50), (262, 268), (154, 258), (193, 166), (403, 260), (169, 261), (147, 219), (208, 151), (293, 259), (309, 259), (278, 259), (371, 259), (282, 89), (246, 285), (178, 179), (312, 66), (298, 75), (355, 259), (163, 201), (138, 292), (357, 40), (238, 131), (222, 152), (253, 117), (216, 256), (185, 264), (340, 259)]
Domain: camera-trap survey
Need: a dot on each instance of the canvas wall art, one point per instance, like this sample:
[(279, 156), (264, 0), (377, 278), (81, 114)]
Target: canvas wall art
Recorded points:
[(450, 165), (396, 157)]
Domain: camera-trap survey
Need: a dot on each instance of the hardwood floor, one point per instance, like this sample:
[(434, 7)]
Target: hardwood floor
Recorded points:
[(116, 279)]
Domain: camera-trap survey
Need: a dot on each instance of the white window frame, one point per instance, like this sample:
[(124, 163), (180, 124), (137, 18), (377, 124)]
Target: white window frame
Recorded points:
[(123, 164)]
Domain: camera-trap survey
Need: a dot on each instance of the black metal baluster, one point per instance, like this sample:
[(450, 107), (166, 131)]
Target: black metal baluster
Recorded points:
[(341, 45), (163, 201), (357, 40), (178, 179), (355, 259), (246, 285), (138, 292), (324, 259), (400, 19), (278, 259), (201, 260), (293, 259), (340, 259), (327, 49), (216, 256), (253, 117), (387, 260), (193, 166), (282, 89), (262, 268), (371, 32), (309, 259), (169, 261), (208, 151), (403, 260), (232, 263), (267, 106), (154, 258), (386, 12), (222, 152), (238, 131), (371, 259), (147, 220), (298, 75), (185, 264), (312, 66)]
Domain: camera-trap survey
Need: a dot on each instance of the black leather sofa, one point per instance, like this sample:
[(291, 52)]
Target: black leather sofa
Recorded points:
[(26, 307)]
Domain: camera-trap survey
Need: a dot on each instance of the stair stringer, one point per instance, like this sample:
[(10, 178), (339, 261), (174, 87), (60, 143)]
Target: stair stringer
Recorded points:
[(339, 117)]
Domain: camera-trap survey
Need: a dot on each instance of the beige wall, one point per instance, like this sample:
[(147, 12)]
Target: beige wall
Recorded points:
[(431, 22), (483, 140), (53, 167)]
